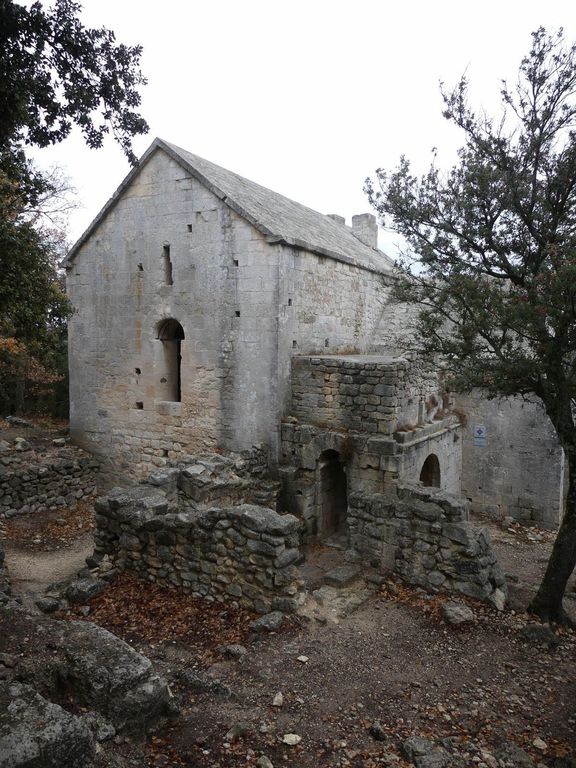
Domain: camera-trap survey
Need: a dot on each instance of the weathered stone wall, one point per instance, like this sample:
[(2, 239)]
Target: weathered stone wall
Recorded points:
[(243, 553), (246, 306), (373, 463), (518, 468), (32, 482), (424, 535), (357, 393), (5, 588)]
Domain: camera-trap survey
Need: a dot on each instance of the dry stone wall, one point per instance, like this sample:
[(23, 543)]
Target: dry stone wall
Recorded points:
[(31, 481), (424, 535), (243, 553)]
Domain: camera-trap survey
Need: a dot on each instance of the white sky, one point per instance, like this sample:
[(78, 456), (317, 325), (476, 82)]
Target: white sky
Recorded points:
[(307, 97)]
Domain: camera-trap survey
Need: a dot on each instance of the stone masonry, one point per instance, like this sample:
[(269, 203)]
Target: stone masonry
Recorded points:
[(190, 527), (424, 535), (33, 482)]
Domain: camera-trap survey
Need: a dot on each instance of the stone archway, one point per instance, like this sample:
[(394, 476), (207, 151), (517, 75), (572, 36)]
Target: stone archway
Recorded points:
[(332, 494), (430, 472)]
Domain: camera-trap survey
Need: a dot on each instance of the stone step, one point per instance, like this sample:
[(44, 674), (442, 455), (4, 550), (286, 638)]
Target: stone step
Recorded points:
[(342, 576)]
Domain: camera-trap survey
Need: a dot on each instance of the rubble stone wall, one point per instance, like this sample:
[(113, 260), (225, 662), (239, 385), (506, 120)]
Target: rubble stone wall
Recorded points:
[(424, 535), (5, 589), (36, 483), (242, 553)]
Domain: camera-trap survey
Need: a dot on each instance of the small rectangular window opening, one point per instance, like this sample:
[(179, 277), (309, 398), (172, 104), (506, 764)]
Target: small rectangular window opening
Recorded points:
[(137, 371), (294, 344), (167, 265), (235, 262), (289, 302), (189, 227), (139, 405), (326, 342), (237, 313), (140, 267)]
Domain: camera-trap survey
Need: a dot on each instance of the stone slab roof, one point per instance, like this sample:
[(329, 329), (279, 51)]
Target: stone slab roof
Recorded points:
[(282, 220)]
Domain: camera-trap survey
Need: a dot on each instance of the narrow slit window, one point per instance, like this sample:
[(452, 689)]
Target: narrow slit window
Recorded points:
[(169, 371), (167, 265)]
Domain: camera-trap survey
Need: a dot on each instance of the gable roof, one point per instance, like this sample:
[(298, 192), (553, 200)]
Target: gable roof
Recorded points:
[(280, 219)]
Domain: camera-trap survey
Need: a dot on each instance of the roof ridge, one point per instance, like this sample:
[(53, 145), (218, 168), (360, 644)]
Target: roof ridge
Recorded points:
[(279, 218)]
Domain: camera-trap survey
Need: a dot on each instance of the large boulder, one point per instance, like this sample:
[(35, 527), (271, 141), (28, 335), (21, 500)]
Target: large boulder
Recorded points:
[(35, 733), (98, 669)]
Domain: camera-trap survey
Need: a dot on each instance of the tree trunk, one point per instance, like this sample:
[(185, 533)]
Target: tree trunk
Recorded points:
[(547, 603)]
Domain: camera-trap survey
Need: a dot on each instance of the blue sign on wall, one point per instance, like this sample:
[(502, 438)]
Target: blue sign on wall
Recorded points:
[(479, 435)]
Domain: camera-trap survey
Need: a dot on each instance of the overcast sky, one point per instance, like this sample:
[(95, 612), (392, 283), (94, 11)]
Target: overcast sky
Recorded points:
[(307, 97)]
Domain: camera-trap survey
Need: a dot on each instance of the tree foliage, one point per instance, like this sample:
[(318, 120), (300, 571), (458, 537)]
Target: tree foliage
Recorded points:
[(54, 74), (495, 241)]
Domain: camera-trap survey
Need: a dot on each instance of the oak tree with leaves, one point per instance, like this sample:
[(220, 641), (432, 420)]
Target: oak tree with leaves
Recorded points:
[(55, 74), (495, 241)]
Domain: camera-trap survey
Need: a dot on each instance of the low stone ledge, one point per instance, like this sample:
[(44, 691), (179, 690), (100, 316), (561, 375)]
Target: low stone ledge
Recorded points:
[(243, 553), (33, 482), (424, 536)]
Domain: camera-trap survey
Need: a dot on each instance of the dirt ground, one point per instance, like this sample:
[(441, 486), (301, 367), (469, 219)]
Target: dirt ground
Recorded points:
[(392, 660)]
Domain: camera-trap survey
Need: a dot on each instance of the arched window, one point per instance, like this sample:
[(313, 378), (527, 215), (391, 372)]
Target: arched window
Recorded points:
[(169, 383), (430, 474)]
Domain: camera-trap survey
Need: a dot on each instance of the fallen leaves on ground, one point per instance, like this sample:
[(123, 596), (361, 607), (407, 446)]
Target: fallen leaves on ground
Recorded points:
[(139, 610), (50, 530)]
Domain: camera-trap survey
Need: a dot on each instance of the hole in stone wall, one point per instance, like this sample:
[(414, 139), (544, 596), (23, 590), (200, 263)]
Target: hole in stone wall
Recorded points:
[(235, 262), (289, 302), (430, 473), (237, 313), (294, 344), (171, 335), (140, 267), (326, 342), (189, 226), (139, 405), (137, 371), (332, 500), (167, 265)]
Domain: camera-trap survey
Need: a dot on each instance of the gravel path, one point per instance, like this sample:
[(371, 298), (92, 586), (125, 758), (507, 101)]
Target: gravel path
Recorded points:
[(32, 572)]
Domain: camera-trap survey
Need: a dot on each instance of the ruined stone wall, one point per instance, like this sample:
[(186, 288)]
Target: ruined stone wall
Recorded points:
[(424, 535), (517, 469), (373, 463), (33, 482), (5, 588), (243, 553)]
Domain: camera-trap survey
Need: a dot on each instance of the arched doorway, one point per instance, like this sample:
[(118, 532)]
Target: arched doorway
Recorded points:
[(430, 473), (332, 501), (169, 381)]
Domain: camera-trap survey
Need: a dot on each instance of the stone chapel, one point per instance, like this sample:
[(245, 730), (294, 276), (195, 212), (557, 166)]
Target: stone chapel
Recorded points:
[(213, 315)]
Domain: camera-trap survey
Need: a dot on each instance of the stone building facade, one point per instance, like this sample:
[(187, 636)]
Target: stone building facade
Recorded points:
[(214, 315)]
